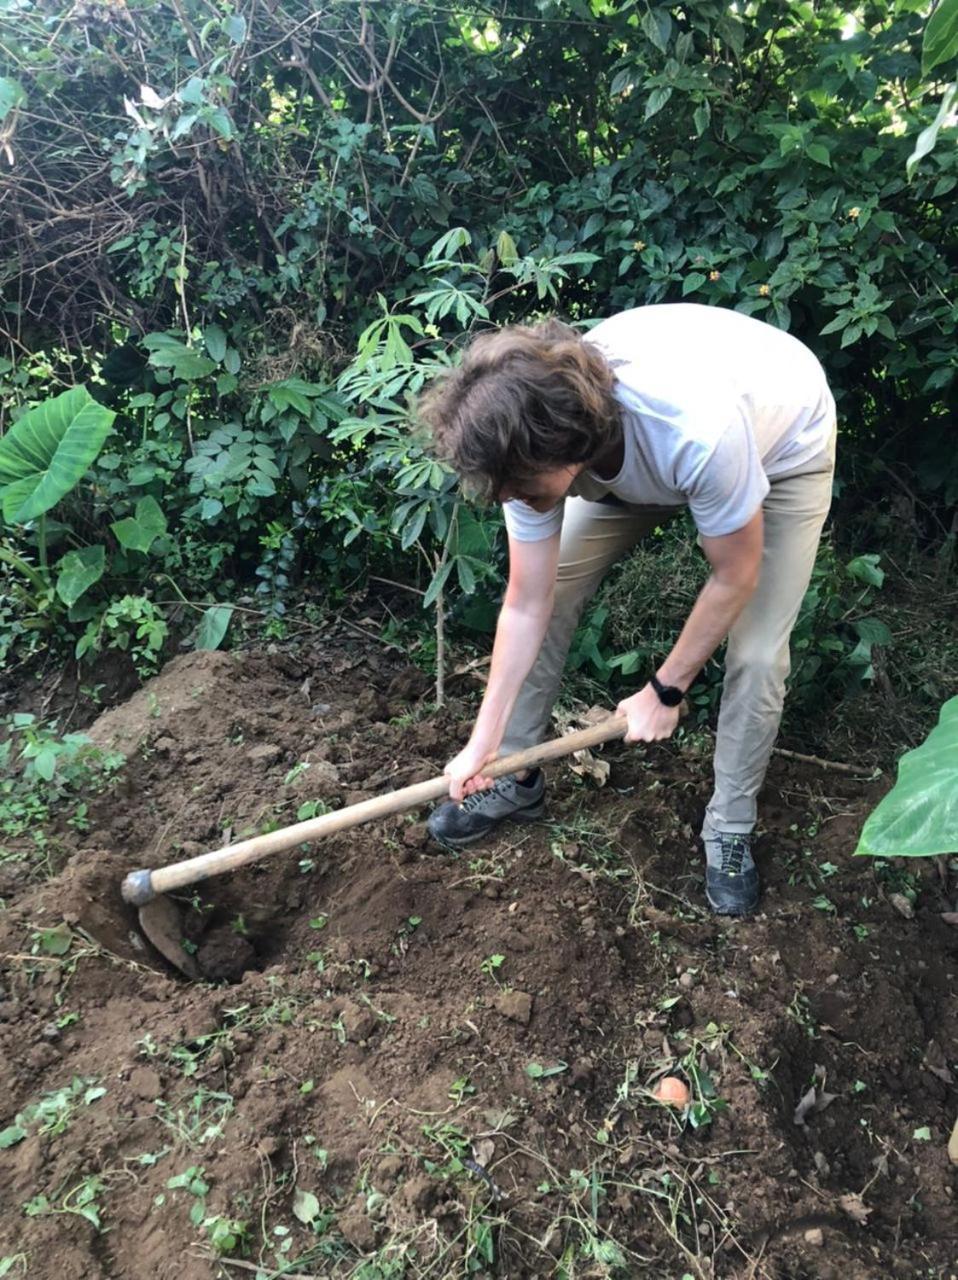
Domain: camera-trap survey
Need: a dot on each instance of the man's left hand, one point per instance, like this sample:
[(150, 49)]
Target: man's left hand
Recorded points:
[(649, 719)]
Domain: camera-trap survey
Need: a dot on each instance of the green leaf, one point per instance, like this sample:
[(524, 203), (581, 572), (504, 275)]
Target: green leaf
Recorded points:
[(940, 43), (535, 1070), (56, 941), (47, 452), (506, 250), (167, 352), (10, 1136), (866, 569), (305, 1206), (12, 94), (138, 533), (818, 152), (78, 571), (215, 340), (45, 763), (694, 280), (654, 30), (220, 120), (235, 27), (919, 816), (213, 626), (656, 101)]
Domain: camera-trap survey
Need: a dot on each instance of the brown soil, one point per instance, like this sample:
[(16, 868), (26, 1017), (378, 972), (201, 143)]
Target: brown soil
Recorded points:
[(353, 1083)]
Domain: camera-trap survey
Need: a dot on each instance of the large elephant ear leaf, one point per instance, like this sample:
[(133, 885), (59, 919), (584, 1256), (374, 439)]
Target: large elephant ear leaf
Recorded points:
[(46, 452), (919, 816)]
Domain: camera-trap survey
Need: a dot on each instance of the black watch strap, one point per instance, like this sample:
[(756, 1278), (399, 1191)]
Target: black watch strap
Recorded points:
[(668, 694)]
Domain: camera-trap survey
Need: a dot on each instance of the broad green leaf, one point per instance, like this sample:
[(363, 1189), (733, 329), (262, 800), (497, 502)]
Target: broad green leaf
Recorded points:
[(79, 570), (215, 340), (656, 101), (694, 280), (46, 453), (506, 249), (213, 626), (235, 27), (138, 532), (12, 94), (655, 30), (866, 568), (818, 152), (919, 816), (167, 352), (940, 43)]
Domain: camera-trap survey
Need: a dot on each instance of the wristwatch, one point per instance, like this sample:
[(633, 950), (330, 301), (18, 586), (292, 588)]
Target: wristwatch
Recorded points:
[(669, 695)]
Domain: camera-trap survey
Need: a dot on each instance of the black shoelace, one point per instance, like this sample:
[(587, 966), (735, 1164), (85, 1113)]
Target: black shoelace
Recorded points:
[(477, 797), (734, 850)]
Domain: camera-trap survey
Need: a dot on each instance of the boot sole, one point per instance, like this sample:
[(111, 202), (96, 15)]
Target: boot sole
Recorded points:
[(532, 813), (748, 909)]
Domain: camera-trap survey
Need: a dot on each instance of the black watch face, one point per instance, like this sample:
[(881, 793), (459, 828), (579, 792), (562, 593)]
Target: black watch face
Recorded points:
[(671, 696)]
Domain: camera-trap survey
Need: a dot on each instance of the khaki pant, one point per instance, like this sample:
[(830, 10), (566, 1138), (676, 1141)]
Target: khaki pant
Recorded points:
[(596, 534)]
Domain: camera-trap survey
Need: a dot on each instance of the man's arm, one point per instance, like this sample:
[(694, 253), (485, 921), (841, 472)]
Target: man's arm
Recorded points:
[(736, 561), (523, 621)]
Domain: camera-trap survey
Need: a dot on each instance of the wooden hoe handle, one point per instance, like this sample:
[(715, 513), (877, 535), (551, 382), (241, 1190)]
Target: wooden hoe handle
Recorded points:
[(141, 887)]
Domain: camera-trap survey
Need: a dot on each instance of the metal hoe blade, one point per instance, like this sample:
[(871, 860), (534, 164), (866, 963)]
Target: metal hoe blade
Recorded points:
[(161, 923)]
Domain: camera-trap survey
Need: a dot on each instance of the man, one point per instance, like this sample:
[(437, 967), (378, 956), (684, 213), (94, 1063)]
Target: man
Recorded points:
[(590, 442)]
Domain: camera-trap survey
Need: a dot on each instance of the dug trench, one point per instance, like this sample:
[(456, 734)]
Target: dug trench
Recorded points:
[(412, 1063)]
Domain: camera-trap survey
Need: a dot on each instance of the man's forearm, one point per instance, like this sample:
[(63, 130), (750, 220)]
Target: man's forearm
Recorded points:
[(712, 617), (519, 636)]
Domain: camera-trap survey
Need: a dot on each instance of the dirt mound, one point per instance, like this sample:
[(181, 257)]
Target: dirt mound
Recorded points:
[(413, 1064)]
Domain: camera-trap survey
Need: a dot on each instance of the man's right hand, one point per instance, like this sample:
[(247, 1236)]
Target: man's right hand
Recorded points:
[(464, 771)]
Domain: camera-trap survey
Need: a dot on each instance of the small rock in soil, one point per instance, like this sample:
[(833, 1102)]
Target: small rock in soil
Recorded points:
[(265, 753), (515, 1005), (815, 1236), (163, 746), (224, 955)]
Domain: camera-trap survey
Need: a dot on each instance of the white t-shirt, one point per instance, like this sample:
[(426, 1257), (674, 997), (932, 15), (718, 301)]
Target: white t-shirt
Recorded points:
[(714, 405)]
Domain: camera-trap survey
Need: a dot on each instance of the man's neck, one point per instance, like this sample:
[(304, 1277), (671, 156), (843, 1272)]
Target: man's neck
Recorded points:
[(608, 463)]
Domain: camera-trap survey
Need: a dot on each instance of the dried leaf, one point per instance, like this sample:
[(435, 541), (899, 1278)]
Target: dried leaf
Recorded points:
[(132, 112), (587, 766), (483, 1149), (902, 905), (305, 1206), (935, 1062), (855, 1207), (953, 1145), (150, 98), (816, 1099)]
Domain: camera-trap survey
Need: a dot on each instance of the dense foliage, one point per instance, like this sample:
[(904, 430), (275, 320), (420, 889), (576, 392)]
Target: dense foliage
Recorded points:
[(252, 232)]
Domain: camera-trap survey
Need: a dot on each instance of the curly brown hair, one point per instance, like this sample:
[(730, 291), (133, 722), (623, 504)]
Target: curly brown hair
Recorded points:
[(524, 399)]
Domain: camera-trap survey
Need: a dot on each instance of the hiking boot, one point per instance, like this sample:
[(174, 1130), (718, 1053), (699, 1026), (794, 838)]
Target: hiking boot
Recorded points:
[(455, 825), (731, 878)]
